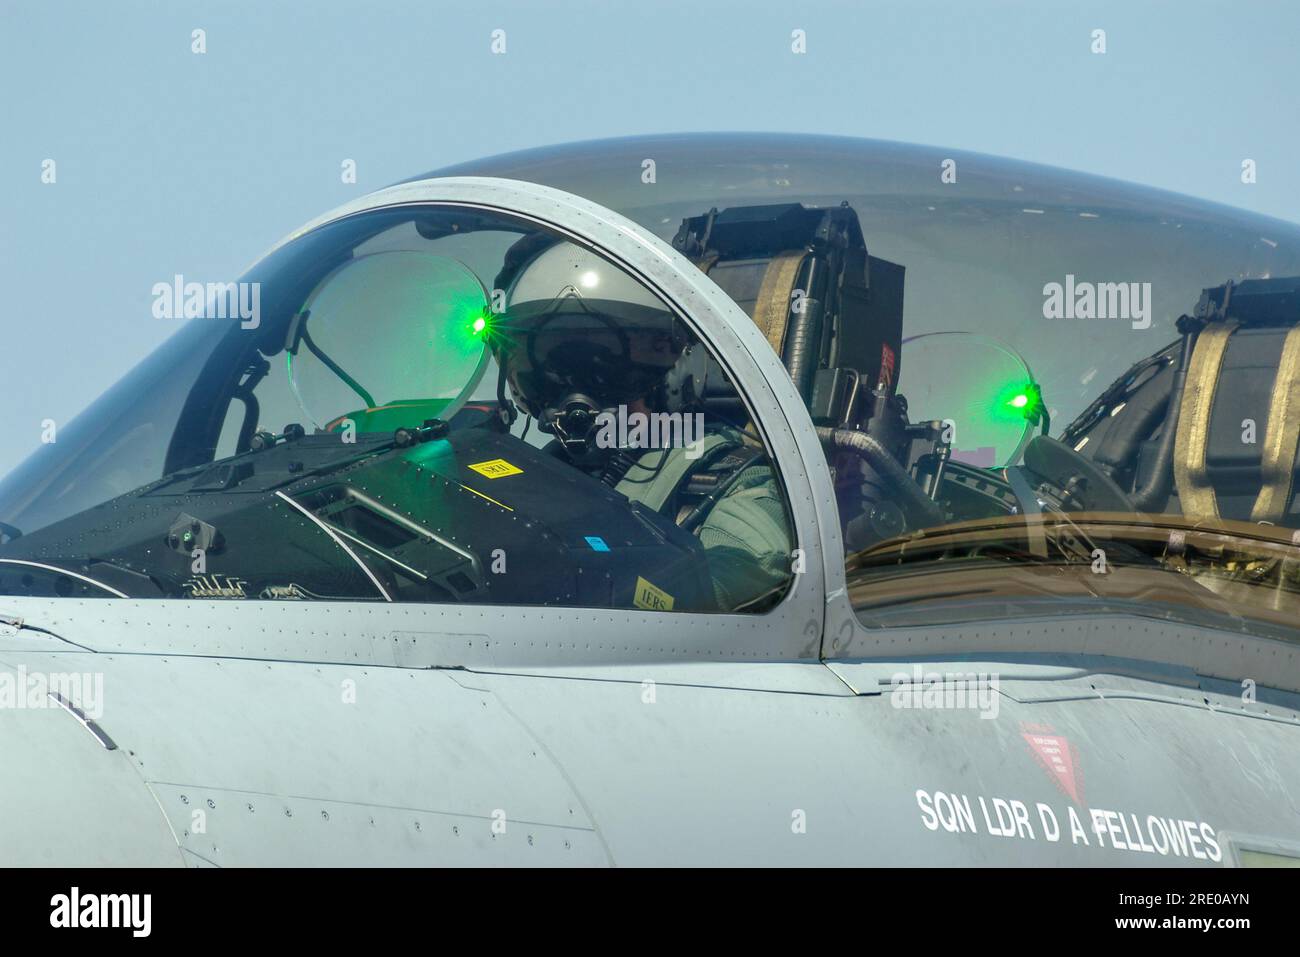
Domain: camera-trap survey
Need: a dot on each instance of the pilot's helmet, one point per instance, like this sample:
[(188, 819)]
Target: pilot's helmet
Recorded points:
[(578, 333)]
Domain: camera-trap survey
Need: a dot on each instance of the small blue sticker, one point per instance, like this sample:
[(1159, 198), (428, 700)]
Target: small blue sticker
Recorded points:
[(597, 543)]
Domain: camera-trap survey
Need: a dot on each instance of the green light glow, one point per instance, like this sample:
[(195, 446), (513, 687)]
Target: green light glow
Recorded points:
[(1016, 401), (983, 386), (480, 324)]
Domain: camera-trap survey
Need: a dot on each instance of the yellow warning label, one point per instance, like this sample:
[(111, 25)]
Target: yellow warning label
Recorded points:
[(495, 469), (651, 598)]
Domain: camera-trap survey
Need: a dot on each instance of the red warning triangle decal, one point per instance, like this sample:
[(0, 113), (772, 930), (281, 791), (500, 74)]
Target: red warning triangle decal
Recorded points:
[(1056, 755)]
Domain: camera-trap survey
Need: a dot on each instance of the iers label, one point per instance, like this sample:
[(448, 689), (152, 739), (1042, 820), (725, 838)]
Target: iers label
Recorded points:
[(496, 468), (651, 598)]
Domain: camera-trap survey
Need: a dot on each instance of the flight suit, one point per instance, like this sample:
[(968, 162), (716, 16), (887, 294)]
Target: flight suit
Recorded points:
[(745, 533)]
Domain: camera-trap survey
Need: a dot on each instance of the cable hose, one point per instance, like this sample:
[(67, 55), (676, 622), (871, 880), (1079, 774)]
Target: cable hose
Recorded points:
[(802, 347), (915, 502), (1156, 489), (618, 465)]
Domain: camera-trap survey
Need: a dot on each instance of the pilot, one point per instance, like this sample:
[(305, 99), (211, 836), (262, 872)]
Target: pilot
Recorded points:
[(600, 364)]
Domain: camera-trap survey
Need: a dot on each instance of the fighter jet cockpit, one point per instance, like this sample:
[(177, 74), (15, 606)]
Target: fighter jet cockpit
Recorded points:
[(1017, 386), (434, 405)]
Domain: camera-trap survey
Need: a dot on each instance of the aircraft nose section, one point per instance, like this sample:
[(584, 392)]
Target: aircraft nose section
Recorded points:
[(69, 795)]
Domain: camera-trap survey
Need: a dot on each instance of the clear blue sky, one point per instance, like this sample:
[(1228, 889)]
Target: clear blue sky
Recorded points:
[(173, 162)]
